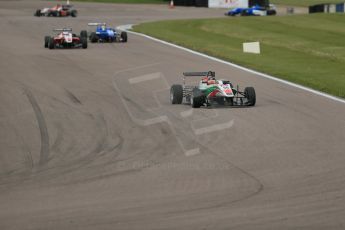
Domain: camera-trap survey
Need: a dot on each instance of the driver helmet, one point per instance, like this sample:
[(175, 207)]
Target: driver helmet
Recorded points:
[(210, 76), (103, 27)]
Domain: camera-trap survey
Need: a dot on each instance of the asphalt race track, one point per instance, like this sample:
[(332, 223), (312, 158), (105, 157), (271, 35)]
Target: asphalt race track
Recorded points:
[(89, 139)]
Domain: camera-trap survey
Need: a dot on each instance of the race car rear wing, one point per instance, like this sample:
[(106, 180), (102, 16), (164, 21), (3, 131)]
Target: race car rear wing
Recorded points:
[(64, 29), (96, 23), (199, 74)]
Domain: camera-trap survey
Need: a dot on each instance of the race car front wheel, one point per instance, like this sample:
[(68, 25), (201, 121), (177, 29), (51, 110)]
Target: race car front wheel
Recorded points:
[(176, 94)]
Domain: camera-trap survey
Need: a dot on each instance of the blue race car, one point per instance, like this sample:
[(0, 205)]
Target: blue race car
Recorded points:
[(253, 11), (106, 34), (235, 11)]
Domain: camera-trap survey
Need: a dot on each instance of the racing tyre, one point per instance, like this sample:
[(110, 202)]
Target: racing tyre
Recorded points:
[(83, 34), (51, 44), (124, 36), (271, 12), (46, 41), (196, 100), (244, 13), (83, 42), (93, 37), (249, 93), (38, 13), (176, 94), (74, 13)]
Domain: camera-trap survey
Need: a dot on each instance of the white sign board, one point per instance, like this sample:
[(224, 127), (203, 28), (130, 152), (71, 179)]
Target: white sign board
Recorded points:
[(227, 3), (251, 47)]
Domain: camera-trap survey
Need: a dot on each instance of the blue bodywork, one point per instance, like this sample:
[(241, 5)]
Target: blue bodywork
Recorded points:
[(245, 11), (106, 33)]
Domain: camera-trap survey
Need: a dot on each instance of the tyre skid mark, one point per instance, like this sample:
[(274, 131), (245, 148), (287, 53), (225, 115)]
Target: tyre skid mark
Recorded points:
[(44, 152), (73, 97), (101, 149)]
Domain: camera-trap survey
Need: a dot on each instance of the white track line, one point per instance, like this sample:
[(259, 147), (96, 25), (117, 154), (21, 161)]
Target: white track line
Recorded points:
[(147, 77), (334, 98), (186, 113), (214, 128), (192, 152)]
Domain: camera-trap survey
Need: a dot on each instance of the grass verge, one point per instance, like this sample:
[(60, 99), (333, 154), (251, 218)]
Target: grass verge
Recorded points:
[(305, 49), (301, 2)]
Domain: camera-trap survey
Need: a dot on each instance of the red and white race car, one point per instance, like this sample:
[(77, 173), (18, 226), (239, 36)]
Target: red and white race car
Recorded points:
[(66, 39), (210, 91), (57, 11)]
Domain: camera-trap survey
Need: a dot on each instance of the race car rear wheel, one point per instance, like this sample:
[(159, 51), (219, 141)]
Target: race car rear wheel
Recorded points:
[(83, 34), (74, 13), (51, 44), (38, 13), (124, 36), (196, 99), (46, 41), (83, 42), (249, 93), (176, 94), (93, 37), (244, 13), (271, 12)]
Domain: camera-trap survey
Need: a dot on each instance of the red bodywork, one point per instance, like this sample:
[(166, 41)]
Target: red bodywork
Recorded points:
[(66, 39), (61, 10), (56, 8)]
